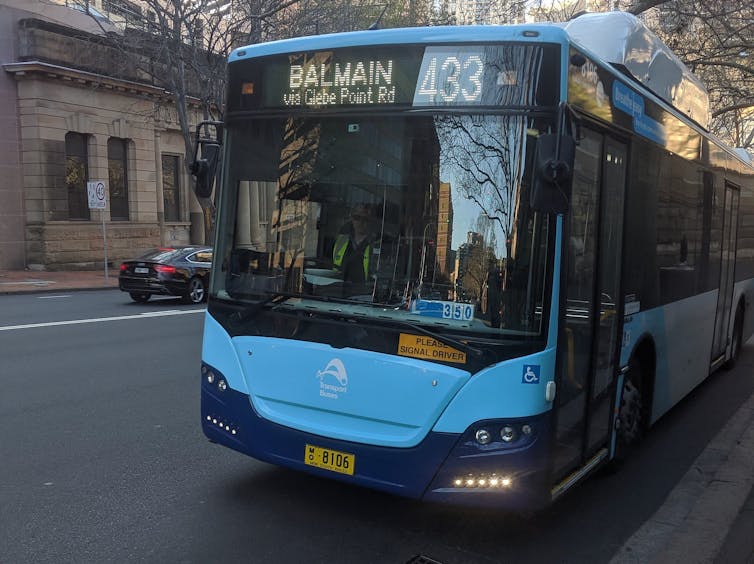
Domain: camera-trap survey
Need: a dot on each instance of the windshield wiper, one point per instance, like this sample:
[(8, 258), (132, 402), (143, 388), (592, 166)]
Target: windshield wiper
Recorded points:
[(274, 298), (389, 323), (277, 298)]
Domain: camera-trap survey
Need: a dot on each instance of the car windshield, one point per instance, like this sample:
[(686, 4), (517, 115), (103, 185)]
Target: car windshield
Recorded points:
[(422, 219)]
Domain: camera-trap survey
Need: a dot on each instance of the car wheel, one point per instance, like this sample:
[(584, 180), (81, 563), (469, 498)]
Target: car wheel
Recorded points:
[(140, 298), (196, 291)]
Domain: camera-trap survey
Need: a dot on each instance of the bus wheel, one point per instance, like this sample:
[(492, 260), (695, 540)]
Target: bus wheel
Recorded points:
[(735, 345), (630, 414)]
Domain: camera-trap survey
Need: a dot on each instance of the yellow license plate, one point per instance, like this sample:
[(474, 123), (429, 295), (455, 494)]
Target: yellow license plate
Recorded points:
[(328, 459)]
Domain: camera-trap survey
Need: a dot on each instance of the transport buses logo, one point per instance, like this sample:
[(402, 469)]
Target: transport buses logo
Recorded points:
[(335, 370)]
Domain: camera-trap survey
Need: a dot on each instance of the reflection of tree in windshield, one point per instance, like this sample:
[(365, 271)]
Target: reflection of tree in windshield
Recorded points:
[(484, 154), (485, 158)]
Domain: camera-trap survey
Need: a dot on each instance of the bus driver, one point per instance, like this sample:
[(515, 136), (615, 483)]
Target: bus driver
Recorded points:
[(353, 247)]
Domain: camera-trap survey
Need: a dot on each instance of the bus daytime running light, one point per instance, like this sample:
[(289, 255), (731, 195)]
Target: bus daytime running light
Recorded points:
[(210, 377), (226, 426), (484, 482)]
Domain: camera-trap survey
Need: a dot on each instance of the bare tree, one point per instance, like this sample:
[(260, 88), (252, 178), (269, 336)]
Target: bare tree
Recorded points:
[(716, 41), (183, 47), (565, 10)]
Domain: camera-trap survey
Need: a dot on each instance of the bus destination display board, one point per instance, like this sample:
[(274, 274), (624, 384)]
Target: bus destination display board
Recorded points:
[(455, 75)]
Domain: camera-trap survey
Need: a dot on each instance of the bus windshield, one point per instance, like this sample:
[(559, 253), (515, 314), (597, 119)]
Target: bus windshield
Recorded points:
[(422, 219)]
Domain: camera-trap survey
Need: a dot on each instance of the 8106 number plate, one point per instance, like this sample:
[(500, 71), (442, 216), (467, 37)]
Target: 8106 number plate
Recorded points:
[(328, 459)]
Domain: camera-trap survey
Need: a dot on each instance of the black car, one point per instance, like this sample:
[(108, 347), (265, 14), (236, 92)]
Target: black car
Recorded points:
[(173, 271)]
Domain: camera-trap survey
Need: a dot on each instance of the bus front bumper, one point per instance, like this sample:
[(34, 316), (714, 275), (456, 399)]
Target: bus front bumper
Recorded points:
[(444, 467)]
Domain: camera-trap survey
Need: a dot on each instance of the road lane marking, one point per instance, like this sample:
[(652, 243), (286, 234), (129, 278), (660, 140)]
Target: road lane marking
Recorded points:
[(102, 319), (53, 297), (27, 283)]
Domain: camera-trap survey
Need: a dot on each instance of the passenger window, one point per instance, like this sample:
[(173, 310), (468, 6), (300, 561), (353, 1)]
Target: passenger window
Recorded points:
[(201, 256)]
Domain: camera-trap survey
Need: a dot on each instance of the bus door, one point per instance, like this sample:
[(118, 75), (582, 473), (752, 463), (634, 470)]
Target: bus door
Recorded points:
[(727, 271), (589, 344)]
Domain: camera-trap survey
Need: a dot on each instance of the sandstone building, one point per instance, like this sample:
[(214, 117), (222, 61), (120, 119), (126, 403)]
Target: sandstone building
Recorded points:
[(68, 118)]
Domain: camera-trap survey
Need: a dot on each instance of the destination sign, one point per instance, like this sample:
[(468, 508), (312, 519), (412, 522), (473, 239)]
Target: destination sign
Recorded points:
[(395, 76), (354, 82)]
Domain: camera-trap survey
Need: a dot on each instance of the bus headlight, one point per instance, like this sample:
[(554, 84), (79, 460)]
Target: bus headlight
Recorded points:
[(504, 434), (508, 434), (483, 437)]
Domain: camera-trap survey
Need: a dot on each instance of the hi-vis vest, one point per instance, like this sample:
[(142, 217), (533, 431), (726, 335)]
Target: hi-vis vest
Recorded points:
[(339, 253)]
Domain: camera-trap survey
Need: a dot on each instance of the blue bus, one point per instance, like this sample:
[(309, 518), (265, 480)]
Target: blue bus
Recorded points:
[(468, 264)]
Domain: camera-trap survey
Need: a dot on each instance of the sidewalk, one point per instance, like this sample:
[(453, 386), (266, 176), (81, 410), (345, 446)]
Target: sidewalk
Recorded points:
[(26, 281), (707, 519)]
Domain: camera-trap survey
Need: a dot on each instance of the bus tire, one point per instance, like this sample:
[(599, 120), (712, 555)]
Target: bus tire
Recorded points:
[(631, 413), (735, 345)]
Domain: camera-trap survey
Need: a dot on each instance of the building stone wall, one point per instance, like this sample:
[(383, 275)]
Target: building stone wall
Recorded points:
[(51, 96), (11, 187)]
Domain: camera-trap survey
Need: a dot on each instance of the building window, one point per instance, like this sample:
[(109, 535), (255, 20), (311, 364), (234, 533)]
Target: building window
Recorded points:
[(76, 175), (117, 173), (171, 187), (127, 10)]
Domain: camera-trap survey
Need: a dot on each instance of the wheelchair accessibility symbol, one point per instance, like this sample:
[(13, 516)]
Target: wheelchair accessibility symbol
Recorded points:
[(531, 374)]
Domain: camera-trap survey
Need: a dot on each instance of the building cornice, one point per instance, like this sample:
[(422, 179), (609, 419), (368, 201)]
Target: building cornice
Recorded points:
[(25, 69)]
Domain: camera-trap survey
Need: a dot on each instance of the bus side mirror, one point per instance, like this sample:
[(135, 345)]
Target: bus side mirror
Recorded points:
[(204, 170), (553, 162), (204, 167)]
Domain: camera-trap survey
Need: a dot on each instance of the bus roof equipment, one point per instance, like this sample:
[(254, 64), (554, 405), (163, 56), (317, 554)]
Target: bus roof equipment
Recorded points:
[(624, 41)]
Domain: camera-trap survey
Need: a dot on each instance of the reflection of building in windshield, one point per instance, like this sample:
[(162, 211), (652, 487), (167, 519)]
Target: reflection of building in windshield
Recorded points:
[(470, 272), (445, 256), (323, 169)]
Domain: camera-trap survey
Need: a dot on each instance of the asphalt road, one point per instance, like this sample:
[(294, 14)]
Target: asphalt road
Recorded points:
[(102, 459)]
